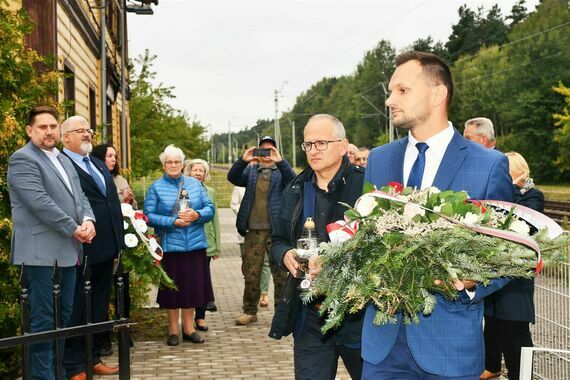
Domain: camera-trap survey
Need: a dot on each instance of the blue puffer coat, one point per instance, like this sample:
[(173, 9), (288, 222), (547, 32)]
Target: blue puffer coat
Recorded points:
[(158, 206)]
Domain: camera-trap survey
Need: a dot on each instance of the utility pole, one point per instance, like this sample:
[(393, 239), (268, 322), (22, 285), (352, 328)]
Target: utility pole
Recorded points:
[(213, 155), (388, 113), (277, 130), (229, 143), (103, 70), (277, 126), (293, 144)]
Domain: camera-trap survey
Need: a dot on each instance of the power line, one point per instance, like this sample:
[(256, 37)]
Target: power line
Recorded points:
[(516, 41), (508, 69)]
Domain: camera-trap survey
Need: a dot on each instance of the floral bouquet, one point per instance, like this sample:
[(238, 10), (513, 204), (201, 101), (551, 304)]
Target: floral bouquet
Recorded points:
[(396, 242), (142, 253)]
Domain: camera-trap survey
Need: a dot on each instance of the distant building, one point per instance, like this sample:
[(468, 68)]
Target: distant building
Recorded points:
[(69, 30)]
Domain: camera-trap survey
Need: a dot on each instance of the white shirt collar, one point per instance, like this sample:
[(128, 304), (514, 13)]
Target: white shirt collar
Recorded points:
[(438, 142)]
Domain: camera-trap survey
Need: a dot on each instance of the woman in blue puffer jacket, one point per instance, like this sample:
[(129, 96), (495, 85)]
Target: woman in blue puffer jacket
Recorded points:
[(183, 241)]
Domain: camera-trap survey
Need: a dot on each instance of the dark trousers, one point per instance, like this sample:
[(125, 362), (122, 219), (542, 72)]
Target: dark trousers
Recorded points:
[(201, 311), (401, 365), (257, 245), (316, 357), (506, 338), (101, 282), (40, 287)]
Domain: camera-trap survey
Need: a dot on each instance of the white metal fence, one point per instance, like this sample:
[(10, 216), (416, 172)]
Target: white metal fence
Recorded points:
[(551, 333)]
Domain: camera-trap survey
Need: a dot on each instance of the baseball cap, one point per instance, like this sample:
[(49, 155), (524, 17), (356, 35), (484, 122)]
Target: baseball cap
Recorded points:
[(268, 138)]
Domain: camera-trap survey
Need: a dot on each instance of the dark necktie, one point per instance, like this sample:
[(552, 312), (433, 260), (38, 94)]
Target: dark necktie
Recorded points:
[(94, 175), (417, 172)]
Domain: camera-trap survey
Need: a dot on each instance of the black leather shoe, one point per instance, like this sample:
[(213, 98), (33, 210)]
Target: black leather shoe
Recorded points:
[(194, 337), (201, 328), (211, 306), (172, 340)]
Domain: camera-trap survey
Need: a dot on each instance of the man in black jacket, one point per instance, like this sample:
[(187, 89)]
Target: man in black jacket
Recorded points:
[(330, 179), (264, 178), (99, 188)]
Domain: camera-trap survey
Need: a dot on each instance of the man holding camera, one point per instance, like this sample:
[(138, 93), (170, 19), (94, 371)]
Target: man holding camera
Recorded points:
[(264, 174)]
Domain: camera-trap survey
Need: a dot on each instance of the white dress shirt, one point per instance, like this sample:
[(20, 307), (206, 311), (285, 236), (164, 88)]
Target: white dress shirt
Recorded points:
[(52, 155), (437, 147)]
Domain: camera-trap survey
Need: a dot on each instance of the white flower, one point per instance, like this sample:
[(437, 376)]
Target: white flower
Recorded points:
[(434, 190), (125, 225), (470, 218), (366, 204), (412, 209), (127, 210), (520, 227), (131, 240), (437, 208), (140, 225)]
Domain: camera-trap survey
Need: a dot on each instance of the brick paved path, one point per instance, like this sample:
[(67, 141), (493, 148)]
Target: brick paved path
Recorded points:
[(230, 351)]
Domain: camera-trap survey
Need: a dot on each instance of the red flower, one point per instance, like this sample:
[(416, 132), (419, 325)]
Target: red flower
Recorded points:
[(397, 186), (478, 204), (140, 215)]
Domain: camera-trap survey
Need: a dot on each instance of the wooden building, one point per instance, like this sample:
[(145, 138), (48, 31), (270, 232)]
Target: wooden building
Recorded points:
[(69, 30)]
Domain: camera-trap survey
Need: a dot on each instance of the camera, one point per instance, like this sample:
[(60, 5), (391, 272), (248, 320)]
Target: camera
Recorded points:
[(261, 152)]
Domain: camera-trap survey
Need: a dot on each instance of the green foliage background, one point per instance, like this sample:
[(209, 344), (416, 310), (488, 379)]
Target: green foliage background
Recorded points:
[(22, 86), (504, 67)]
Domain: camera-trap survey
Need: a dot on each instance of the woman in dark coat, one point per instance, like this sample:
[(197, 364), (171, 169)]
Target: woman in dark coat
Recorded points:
[(509, 311)]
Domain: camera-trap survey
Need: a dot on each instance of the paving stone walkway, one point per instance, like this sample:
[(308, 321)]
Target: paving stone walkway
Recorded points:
[(230, 351)]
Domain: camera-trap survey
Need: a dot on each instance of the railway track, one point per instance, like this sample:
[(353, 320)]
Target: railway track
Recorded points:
[(557, 211)]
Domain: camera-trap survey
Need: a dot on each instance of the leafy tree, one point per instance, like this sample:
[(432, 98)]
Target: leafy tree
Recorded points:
[(518, 13), (474, 30), (155, 124), (22, 86)]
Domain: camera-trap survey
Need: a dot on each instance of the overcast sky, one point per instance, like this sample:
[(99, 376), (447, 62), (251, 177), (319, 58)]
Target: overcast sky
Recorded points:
[(226, 58)]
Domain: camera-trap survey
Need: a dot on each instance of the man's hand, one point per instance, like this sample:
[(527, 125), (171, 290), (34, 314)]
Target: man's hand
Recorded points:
[(290, 262), (275, 156), (459, 284), (85, 232), (248, 155)]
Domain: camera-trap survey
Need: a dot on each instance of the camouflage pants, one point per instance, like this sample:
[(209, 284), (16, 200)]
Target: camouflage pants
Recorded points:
[(257, 245)]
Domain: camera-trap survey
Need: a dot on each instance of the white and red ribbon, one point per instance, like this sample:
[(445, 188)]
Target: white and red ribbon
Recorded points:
[(535, 218)]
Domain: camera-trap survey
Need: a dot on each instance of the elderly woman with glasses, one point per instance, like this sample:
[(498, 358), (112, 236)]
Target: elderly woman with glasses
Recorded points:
[(178, 207), (200, 170)]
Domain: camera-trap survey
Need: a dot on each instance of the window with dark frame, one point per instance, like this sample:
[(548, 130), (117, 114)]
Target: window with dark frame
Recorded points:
[(92, 108), (68, 90)]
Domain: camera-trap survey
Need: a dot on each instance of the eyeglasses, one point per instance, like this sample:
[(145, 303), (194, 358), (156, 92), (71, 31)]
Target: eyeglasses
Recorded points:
[(319, 144), (82, 131), (177, 162)]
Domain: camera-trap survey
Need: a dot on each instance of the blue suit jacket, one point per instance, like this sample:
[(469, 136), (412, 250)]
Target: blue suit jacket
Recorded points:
[(449, 342)]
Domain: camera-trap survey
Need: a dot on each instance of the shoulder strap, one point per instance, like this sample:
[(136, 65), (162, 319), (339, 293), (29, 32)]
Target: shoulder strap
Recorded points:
[(309, 195), (177, 196)]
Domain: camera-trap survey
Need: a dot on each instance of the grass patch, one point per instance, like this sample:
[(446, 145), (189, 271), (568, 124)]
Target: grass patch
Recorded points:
[(149, 325), (555, 192)]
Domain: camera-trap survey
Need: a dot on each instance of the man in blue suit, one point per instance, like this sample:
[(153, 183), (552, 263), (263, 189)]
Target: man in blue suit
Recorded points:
[(448, 343)]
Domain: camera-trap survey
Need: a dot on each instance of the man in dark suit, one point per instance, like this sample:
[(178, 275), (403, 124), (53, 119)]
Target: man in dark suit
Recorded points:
[(51, 218), (447, 344), (97, 184)]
